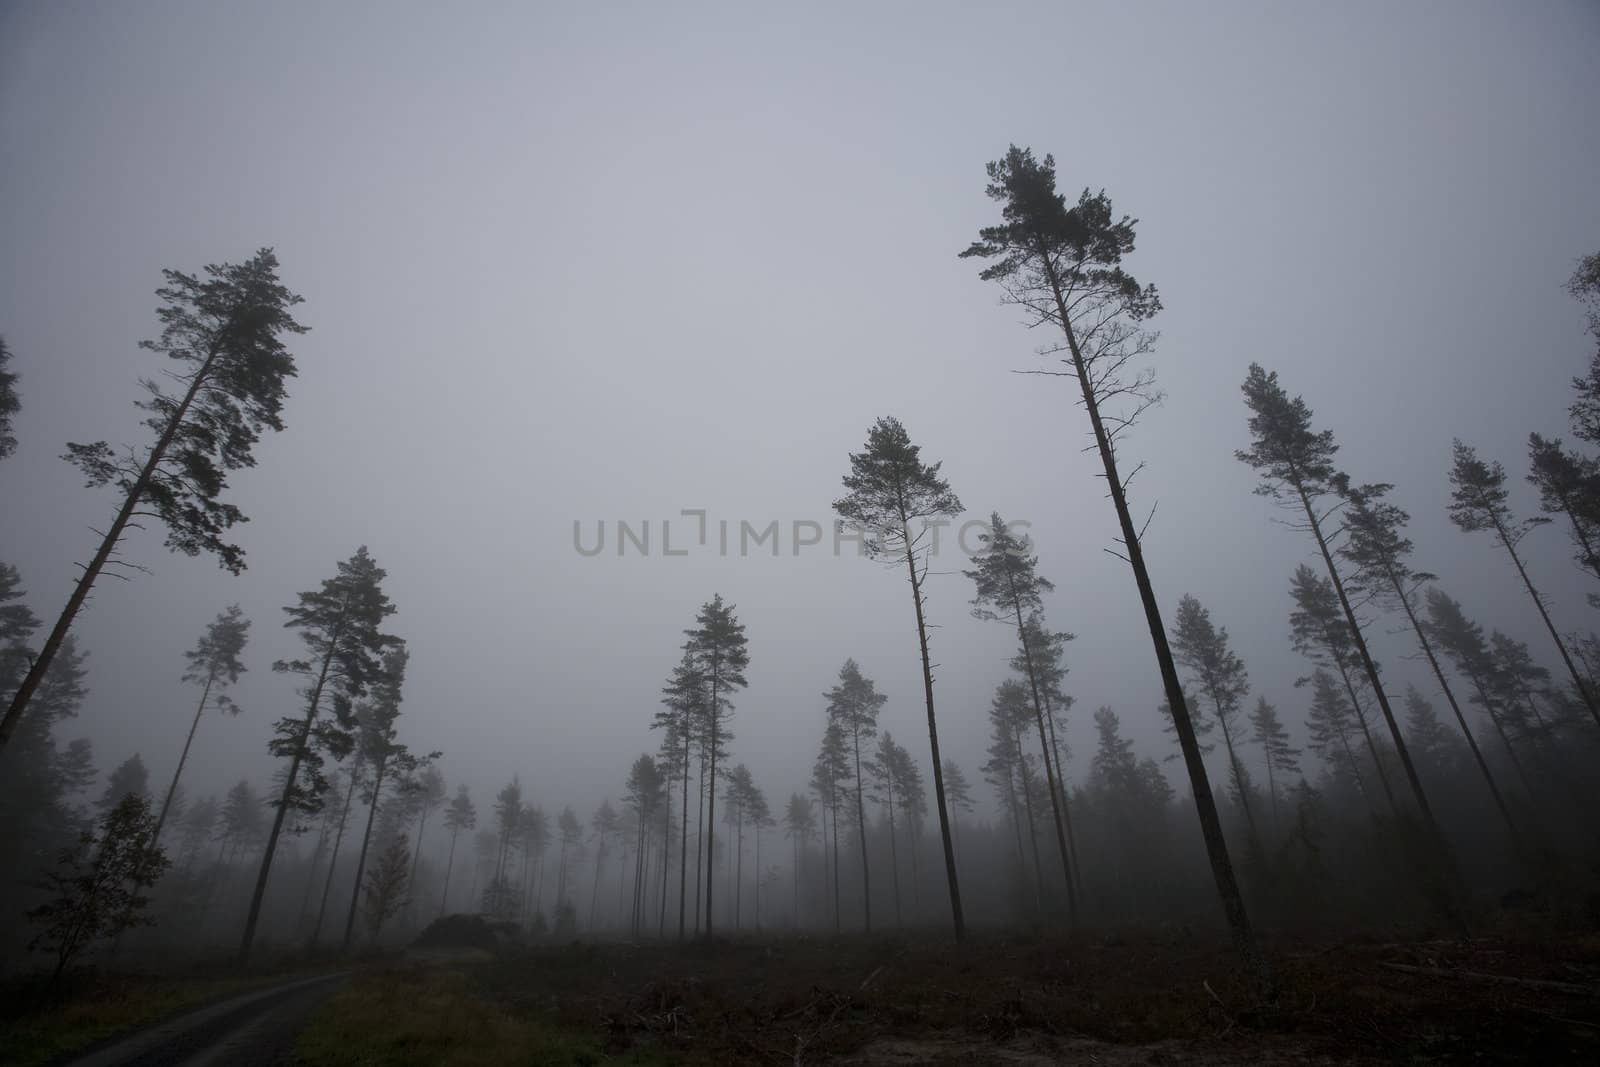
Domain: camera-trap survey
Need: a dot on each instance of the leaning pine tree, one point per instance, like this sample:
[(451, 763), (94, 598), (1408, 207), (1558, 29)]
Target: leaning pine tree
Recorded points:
[(340, 626), (1296, 467), (887, 490), (1011, 590), (214, 666), (1063, 266), (1376, 545), (225, 334), (1478, 502)]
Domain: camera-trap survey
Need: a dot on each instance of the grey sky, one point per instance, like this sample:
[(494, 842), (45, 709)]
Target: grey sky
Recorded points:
[(607, 261)]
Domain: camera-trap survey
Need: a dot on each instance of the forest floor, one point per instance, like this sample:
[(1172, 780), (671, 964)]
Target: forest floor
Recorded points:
[(918, 998)]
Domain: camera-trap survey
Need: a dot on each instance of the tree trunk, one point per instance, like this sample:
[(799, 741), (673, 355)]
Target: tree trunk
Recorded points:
[(711, 801), (449, 865), (288, 788), (1538, 602), (366, 840), (683, 857), (333, 860), (1205, 805), (861, 834), (957, 919), (1050, 775), (183, 757)]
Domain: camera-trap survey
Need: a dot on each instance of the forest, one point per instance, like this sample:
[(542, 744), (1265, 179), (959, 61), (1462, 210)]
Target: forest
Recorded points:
[(1336, 811)]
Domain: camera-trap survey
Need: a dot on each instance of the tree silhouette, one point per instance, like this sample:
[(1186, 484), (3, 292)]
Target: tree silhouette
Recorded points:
[(1063, 267), (1478, 503), (1282, 758), (339, 625), (828, 775), (853, 707), (225, 334), (889, 488), (686, 698), (1204, 649), (1295, 463), (719, 647), (461, 814), (1009, 586), (213, 664)]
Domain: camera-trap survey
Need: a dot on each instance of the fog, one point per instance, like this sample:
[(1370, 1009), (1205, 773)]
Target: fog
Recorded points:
[(565, 266)]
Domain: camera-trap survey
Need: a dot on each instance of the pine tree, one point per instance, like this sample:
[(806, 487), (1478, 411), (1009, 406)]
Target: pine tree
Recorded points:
[(1330, 723), (1296, 467), (339, 625), (853, 707), (461, 814), (1009, 585), (686, 698), (1377, 547), (889, 489), (1048, 651), (1319, 631), (799, 822), (1282, 758), (1463, 642), (213, 665), (570, 830), (225, 332), (828, 775), (1478, 503), (392, 763), (719, 647), (603, 826), (1584, 285), (129, 779), (1435, 747), (1203, 649), (1009, 716), (1569, 484), (1063, 266), (427, 792), (643, 797)]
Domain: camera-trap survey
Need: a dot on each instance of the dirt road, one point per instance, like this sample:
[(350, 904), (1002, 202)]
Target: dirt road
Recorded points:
[(251, 1030)]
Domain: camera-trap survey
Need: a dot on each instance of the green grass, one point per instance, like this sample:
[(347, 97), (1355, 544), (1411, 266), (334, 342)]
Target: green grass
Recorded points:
[(438, 1018), (41, 1022)]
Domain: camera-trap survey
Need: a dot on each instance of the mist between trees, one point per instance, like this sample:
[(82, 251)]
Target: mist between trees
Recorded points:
[(1339, 806)]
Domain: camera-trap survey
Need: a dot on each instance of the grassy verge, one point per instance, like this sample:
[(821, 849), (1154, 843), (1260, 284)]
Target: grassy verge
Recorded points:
[(41, 1022), (440, 1018)]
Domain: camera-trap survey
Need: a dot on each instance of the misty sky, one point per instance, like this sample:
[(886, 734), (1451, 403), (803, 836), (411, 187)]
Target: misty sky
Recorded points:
[(584, 262)]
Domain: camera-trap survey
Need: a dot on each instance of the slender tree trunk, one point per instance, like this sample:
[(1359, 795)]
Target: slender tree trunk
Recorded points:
[(711, 801), (1366, 733), (1033, 829), (683, 850), (1050, 775), (700, 842), (1272, 791), (594, 891), (666, 851), (861, 834), (1066, 800), (183, 757), (738, 869), (1490, 708), (366, 840), (1371, 670), (333, 860), (957, 919), (449, 865), (271, 850), (1205, 805), (416, 855), (108, 545), (838, 922), (894, 863), (1538, 602)]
